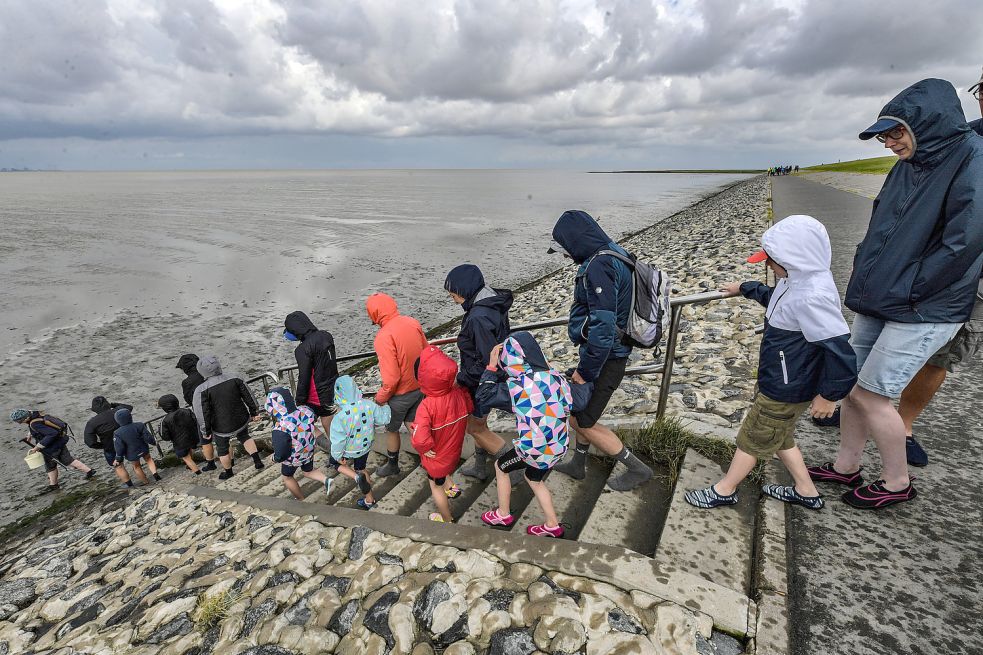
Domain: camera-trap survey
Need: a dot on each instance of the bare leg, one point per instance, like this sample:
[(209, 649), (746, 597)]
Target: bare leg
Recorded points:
[(250, 446), (440, 500), (599, 436), (504, 488), (52, 477), (485, 438), (792, 459), (226, 461), (918, 394), (121, 473), (189, 461), (887, 431), (208, 450), (151, 464), (326, 423), (315, 475), (138, 472), (392, 442), (853, 434), (545, 500), (290, 483), (740, 467), (76, 464)]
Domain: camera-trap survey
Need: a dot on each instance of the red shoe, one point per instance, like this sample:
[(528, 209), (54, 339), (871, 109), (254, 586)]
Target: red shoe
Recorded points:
[(545, 531), (494, 519)]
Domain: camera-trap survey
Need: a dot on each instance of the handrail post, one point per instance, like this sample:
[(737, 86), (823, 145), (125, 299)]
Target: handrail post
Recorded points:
[(677, 312), (153, 433)]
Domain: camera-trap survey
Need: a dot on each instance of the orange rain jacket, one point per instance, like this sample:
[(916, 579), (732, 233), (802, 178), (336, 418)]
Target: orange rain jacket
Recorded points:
[(398, 344)]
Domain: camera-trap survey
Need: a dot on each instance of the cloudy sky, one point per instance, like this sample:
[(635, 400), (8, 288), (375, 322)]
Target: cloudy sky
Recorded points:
[(162, 84)]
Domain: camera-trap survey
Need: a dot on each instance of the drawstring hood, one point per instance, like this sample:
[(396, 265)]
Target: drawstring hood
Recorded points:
[(208, 366), (381, 308), (100, 404), (168, 403), (436, 372), (188, 363), (521, 355), (579, 235), (123, 416), (299, 325)]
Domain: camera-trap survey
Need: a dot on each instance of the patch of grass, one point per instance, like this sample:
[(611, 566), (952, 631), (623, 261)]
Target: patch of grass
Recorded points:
[(874, 166), (70, 501), (211, 609), (666, 440)]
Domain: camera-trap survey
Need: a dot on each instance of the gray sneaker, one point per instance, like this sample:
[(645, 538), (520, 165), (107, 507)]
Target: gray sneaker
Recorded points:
[(391, 467)]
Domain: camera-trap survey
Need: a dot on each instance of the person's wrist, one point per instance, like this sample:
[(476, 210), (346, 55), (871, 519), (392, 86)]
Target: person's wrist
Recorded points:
[(491, 368)]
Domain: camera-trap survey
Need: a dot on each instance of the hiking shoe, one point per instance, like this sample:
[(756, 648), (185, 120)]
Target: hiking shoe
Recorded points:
[(875, 496), (790, 495), (831, 422), (826, 473), (709, 498), (89, 475), (916, 454), (364, 504), (545, 531), (453, 491), (437, 518), (496, 520), (51, 488), (363, 485), (391, 467), (226, 474), (209, 466)]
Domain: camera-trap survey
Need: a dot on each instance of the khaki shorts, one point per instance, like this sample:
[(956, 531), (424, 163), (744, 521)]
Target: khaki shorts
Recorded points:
[(769, 426), (962, 347)]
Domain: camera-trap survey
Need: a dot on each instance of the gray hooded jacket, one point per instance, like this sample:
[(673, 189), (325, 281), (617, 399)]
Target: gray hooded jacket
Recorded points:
[(223, 403)]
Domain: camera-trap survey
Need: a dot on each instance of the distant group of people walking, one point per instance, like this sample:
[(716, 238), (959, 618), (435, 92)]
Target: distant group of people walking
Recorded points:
[(915, 282), (782, 170)]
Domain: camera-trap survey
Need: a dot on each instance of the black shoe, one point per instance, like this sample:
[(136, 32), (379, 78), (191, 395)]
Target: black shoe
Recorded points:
[(89, 474), (916, 454), (875, 496), (209, 466), (391, 467), (831, 422), (157, 477), (225, 475)]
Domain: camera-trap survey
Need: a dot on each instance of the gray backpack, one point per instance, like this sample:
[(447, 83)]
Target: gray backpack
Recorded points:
[(648, 318)]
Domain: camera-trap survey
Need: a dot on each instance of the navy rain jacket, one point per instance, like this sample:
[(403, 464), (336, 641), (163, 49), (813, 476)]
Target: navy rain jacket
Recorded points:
[(601, 295), (45, 434), (132, 438), (921, 258), (485, 324)]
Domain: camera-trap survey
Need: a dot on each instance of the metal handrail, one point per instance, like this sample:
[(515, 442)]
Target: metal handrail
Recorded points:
[(676, 305)]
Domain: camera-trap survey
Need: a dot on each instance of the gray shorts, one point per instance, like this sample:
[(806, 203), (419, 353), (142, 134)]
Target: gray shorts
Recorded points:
[(63, 456), (962, 347), (403, 408)]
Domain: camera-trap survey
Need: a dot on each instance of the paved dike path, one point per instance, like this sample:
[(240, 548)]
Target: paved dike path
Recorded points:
[(907, 579)]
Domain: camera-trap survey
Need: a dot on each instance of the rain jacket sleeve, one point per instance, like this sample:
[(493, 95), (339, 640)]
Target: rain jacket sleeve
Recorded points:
[(90, 436), (43, 433), (282, 445), (247, 397), (478, 335), (382, 415), (422, 438), (119, 446), (962, 236), (492, 394), (339, 438), (758, 292), (389, 370), (165, 431), (602, 308), (198, 407), (305, 370)]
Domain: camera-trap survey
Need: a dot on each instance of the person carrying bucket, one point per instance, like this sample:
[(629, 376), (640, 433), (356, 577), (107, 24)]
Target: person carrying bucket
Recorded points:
[(48, 437)]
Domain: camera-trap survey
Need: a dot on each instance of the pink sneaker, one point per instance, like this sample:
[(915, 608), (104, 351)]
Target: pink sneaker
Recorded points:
[(544, 531), (493, 518)]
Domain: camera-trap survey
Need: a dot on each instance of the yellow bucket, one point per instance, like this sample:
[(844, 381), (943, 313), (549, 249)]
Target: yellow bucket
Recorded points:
[(34, 460)]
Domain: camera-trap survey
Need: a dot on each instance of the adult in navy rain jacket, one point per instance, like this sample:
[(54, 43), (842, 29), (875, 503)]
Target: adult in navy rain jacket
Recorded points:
[(485, 325), (598, 318), (48, 436), (915, 275)]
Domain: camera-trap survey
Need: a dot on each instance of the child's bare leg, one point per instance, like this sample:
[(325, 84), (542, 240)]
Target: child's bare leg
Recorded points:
[(440, 500), (545, 500), (740, 467), (504, 488), (346, 471), (138, 472), (792, 459), (189, 461), (121, 473), (226, 461), (53, 477), (150, 464), (315, 475), (293, 486)]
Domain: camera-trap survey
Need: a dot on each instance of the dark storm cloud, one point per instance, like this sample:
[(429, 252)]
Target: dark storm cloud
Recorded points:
[(615, 75)]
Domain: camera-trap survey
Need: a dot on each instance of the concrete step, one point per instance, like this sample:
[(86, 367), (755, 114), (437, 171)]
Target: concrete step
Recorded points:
[(572, 499), (629, 519), (521, 496), (471, 488), (716, 545), (407, 496), (380, 486), (342, 484), (246, 478)]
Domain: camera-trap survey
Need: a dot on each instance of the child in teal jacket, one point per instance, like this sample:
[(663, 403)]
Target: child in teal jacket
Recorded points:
[(352, 432)]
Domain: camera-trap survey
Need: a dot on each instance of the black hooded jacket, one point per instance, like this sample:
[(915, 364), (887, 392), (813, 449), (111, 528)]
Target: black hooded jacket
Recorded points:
[(485, 324), (188, 364), (180, 426), (100, 428), (315, 356)]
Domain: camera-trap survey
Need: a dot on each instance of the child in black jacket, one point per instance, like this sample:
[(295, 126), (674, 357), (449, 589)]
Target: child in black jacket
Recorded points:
[(180, 427)]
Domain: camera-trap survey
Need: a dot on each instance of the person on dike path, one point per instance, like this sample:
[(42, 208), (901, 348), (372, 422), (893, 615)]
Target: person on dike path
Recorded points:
[(805, 361), (294, 440), (540, 398), (441, 421), (914, 281), (132, 441), (485, 325), (959, 351), (180, 427), (317, 366), (50, 438), (352, 434), (98, 434), (598, 317), (398, 344), (224, 406)]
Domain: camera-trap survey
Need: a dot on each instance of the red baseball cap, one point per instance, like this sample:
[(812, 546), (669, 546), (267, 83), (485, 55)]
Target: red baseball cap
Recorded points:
[(757, 257)]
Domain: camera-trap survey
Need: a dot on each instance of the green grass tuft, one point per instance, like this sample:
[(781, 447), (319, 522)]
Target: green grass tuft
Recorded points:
[(874, 166), (210, 610), (666, 440)]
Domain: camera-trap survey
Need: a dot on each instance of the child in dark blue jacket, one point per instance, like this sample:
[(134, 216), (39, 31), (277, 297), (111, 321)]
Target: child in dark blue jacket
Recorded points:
[(132, 441), (805, 360)]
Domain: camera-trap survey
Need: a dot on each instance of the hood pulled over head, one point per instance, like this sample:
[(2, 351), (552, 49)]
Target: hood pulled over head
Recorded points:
[(932, 113), (436, 372), (187, 363), (346, 392), (299, 325), (799, 244), (168, 402), (123, 416), (465, 280), (100, 404), (521, 355), (209, 367), (381, 308), (280, 403), (579, 235)]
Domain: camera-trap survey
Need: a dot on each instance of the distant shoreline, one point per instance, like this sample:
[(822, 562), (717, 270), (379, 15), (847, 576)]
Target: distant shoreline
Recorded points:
[(746, 171)]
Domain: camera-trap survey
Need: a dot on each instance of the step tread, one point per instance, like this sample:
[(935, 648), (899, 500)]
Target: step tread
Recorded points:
[(408, 495), (380, 486), (344, 485), (471, 488)]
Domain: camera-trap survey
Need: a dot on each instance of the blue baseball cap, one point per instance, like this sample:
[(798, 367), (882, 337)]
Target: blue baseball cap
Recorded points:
[(882, 125)]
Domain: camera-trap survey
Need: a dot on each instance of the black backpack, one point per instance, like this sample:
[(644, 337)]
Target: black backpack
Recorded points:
[(648, 318)]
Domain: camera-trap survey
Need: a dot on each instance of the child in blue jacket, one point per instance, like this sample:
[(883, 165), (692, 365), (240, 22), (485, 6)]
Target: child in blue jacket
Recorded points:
[(352, 432), (805, 360), (132, 441)]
